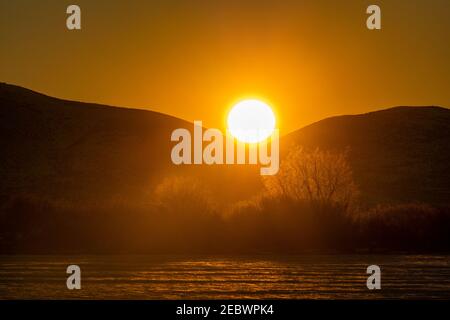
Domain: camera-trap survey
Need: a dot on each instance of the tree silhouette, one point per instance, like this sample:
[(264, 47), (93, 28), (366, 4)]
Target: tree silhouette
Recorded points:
[(317, 176)]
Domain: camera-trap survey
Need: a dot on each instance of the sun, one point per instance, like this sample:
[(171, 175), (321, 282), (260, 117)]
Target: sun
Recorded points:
[(251, 121)]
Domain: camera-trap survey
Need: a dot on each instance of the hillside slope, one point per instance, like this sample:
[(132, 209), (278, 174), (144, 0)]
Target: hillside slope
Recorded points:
[(400, 154), (92, 153), (86, 152)]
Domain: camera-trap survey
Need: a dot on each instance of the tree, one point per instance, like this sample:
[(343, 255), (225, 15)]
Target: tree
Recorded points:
[(318, 176)]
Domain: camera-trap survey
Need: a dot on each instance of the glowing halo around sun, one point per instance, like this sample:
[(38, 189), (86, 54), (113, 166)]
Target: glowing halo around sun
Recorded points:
[(251, 121)]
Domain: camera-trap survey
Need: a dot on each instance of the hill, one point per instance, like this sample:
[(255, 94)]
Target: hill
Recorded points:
[(397, 155), (77, 151), (86, 178), (58, 149)]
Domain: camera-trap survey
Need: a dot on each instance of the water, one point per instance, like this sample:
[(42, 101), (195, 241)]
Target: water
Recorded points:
[(249, 277)]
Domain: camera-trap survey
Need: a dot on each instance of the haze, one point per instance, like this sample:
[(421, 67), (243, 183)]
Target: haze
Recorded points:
[(193, 60)]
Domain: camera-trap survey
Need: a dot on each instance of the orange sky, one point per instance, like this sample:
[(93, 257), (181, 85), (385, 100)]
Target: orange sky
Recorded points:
[(193, 59)]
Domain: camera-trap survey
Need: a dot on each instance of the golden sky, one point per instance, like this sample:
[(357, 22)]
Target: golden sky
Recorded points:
[(193, 59)]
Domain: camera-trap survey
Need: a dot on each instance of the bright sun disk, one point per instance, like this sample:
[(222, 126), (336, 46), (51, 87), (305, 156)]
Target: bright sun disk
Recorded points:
[(251, 121)]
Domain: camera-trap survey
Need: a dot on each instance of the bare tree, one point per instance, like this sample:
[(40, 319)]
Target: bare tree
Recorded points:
[(316, 175)]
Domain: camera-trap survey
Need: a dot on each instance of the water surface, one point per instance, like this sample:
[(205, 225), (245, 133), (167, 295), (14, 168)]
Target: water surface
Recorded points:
[(249, 277)]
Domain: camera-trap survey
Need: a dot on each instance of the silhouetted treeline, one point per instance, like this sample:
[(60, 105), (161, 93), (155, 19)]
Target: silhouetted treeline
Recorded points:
[(310, 206), (29, 225)]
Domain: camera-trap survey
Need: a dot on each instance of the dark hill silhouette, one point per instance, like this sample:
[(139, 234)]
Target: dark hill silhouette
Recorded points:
[(77, 151), (88, 152), (82, 178), (400, 154)]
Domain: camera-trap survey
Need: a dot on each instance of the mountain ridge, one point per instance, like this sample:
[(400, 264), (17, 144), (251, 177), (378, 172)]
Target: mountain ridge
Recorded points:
[(382, 143), (58, 148)]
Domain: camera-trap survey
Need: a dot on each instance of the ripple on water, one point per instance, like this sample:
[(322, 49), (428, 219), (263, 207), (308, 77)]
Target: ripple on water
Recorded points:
[(259, 277)]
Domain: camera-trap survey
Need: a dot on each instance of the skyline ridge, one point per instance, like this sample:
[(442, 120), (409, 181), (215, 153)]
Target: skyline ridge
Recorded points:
[(145, 109)]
